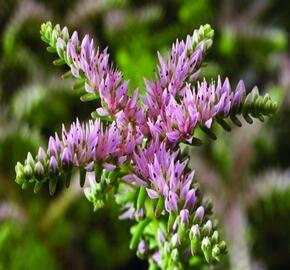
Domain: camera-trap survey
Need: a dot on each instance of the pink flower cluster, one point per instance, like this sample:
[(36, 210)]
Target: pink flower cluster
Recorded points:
[(144, 136), (137, 143)]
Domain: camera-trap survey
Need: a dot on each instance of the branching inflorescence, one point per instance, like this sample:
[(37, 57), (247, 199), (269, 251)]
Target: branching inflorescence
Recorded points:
[(130, 149)]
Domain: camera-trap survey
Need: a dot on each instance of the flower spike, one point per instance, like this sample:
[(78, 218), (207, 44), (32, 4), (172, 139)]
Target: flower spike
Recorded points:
[(130, 151)]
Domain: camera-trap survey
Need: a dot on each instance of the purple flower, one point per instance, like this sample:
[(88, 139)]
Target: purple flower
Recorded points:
[(199, 214), (216, 100), (160, 236), (101, 77), (129, 212), (177, 117), (180, 68), (41, 156), (164, 176), (139, 145), (52, 165), (183, 63), (84, 145), (142, 248), (66, 158), (184, 216)]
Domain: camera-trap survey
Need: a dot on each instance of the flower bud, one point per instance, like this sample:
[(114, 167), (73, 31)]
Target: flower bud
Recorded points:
[(239, 93), (190, 199), (215, 237), (171, 221), (167, 248), (19, 169), (160, 236), (41, 156), (171, 202), (175, 255), (216, 252), (65, 34), (207, 228), (206, 248), (142, 249), (60, 47), (184, 216), (39, 170), (54, 35), (52, 165), (194, 236), (222, 246), (174, 240), (28, 172), (199, 214), (53, 146), (182, 224), (194, 232), (66, 159), (139, 214), (29, 160)]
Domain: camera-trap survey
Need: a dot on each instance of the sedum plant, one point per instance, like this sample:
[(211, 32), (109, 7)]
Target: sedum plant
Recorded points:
[(131, 149)]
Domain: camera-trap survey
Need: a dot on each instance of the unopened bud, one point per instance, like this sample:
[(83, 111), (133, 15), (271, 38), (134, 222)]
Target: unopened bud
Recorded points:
[(215, 237), (199, 213), (30, 160), (28, 172), (19, 169), (39, 170), (174, 240), (175, 255), (160, 236), (184, 216), (216, 252), (206, 248), (41, 156), (194, 236), (66, 159), (52, 165), (194, 232), (207, 228), (142, 249), (223, 246)]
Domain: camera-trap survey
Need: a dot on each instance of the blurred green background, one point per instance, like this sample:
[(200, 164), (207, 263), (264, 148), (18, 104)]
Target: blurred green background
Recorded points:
[(245, 172)]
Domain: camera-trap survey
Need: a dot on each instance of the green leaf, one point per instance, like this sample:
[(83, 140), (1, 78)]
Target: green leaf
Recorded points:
[(208, 132), (52, 183), (89, 97), (59, 62), (51, 49), (223, 124), (37, 186), (137, 233), (82, 177), (142, 195)]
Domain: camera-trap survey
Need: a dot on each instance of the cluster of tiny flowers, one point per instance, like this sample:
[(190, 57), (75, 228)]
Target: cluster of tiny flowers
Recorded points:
[(132, 151), (164, 176), (100, 77), (173, 192), (176, 106)]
